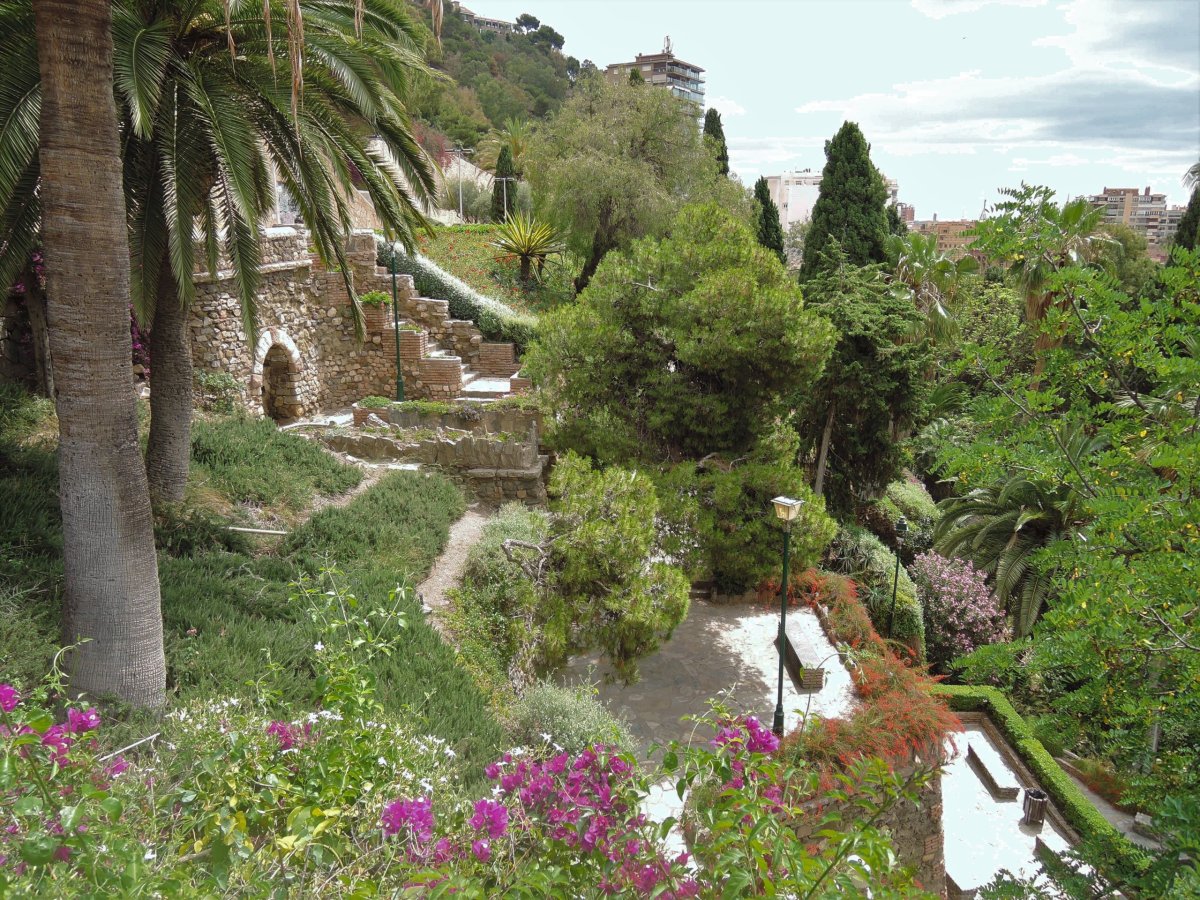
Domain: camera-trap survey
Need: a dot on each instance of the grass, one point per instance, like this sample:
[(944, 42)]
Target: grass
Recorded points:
[(467, 253), (251, 462), (229, 622)]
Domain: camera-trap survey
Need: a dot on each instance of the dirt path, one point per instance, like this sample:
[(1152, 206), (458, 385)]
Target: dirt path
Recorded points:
[(448, 569)]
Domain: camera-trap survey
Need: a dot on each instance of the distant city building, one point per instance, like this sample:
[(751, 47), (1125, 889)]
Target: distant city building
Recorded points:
[(908, 213), (483, 23), (664, 69), (796, 192), (1144, 212), (951, 234)]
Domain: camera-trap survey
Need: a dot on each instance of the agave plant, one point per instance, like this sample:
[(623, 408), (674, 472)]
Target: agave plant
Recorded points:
[(529, 241)]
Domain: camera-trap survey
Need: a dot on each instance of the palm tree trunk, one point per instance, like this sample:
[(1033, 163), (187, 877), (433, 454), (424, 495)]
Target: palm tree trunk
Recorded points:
[(111, 575), (169, 447), (35, 306), (823, 455)]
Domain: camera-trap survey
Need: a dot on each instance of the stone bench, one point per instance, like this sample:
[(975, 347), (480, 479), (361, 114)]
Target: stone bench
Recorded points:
[(978, 764), (800, 658)]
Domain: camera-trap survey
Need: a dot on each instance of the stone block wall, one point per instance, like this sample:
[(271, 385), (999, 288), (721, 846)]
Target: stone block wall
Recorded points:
[(438, 378)]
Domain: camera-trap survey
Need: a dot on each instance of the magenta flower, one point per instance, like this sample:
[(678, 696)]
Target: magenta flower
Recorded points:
[(287, 735), (78, 721), (9, 698), (491, 815), (416, 815), (482, 850)]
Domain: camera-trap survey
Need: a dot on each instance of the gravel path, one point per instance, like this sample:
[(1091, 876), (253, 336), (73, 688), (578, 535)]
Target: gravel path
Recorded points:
[(447, 571)]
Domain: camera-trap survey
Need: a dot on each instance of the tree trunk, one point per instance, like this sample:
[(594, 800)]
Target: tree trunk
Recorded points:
[(111, 575), (602, 242), (823, 455), (35, 306), (169, 447)]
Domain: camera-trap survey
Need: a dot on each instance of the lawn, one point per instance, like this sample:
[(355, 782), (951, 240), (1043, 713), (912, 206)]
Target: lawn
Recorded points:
[(227, 609), (466, 251)]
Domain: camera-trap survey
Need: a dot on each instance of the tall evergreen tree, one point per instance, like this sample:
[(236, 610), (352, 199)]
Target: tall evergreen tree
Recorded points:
[(1188, 233), (851, 206), (770, 232), (635, 77), (504, 193), (712, 128), (895, 224)]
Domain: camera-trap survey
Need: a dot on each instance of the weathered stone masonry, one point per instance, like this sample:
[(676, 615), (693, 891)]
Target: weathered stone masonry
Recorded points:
[(306, 358)]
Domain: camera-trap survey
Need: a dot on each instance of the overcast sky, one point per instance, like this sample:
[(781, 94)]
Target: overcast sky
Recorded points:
[(957, 97)]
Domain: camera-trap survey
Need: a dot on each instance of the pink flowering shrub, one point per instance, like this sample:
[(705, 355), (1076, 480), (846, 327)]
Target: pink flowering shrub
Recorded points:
[(961, 612)]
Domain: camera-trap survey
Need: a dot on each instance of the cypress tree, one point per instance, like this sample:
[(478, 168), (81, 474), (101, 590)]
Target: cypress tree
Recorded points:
[(635, 77), (770, 232), (851, 205), (504, 169), (712, 127), (1188, 233)]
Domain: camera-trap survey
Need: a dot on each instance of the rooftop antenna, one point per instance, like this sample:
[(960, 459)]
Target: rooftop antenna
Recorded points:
[(667, 48), (983, 213)]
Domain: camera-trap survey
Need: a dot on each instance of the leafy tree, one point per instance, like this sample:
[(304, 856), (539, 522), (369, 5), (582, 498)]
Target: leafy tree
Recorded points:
[(714, 130), (504, 192), (872, 387), (850, 207), (526, 22), (680, 347), (1187, 235), (515, 135), (793, 243), (635, 77), (1125, 256), (895, 224), (548, 36), (770, 232), (615, 164)]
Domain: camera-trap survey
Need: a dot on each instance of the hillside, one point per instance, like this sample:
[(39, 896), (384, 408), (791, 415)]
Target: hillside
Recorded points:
[(496, 77)]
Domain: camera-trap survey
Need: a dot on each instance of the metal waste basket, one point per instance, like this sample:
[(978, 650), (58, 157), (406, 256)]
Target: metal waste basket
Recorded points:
[(1035, 807)]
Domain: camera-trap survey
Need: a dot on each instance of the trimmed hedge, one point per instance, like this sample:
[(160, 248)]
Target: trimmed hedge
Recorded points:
[(1127, 858), (494, 319), (859, 554)]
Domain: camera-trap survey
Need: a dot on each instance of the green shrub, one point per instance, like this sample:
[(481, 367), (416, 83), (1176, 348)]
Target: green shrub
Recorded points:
[(374, 402), (1057, 733), (729, 511), (374, 298), (573, 717), (911, 500), (219, 391), (189, 531), (1126, 858), (862, 556), (494, 319), (252, 461)]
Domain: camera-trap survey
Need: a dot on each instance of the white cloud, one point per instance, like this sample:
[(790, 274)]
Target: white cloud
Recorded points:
[(940, 9), (1151, 36), (726, 107)]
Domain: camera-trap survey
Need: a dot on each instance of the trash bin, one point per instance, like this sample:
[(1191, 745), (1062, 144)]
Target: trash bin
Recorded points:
[(1035, 807)]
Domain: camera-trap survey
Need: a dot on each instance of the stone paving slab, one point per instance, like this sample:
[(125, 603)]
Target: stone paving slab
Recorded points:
[(718, 652)]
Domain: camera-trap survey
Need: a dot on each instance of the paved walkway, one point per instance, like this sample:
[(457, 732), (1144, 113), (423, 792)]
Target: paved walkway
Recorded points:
[(1122, 821), (717, 652), (447, 570)]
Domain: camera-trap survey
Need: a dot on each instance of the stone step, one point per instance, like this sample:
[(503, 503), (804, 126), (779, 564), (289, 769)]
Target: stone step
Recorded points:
[(484, 388)]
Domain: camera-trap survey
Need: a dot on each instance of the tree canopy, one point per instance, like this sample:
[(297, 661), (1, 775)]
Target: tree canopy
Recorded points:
[(713, 129), (851, 205), (770, 232)]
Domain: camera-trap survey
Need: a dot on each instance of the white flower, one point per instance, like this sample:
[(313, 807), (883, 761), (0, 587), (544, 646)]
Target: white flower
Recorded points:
[(382, 761), (545, 737), (496, 791), (150, 854), (450, 752), (426, 784), (318, 646)]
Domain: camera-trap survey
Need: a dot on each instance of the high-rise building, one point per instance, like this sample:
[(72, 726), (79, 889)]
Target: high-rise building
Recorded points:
[(1145, 212), (796, 192), (664, 69)]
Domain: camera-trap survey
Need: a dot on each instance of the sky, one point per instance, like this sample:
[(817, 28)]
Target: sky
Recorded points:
[(956, 97)]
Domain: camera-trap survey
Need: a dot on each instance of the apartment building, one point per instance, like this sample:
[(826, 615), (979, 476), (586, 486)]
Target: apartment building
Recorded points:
[(665, 69), (1144, 211), (796, 192)]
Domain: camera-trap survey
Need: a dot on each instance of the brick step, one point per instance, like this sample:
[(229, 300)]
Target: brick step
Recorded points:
[(484, 388)]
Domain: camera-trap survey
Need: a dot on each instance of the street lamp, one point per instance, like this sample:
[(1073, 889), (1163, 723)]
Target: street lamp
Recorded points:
[(786, 509), (461, 152), (396, 322), (504, 181), (901, 531)]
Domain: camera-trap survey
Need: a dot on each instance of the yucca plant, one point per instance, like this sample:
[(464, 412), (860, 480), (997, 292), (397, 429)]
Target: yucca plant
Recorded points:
[(529, 241)]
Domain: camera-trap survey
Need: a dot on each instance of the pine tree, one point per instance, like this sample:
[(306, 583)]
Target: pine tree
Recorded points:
[(850, 207), (712, 128), (503, 191), (635, 77), (1188, 233), (770, 232)]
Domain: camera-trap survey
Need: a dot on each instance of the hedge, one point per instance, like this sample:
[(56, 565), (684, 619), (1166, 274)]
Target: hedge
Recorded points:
[(495, 320), (859, 554), (1127, 858)]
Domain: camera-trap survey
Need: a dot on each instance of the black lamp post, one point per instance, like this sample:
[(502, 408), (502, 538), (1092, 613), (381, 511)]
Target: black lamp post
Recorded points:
[(786, 509), (396, 322), (901, 531)]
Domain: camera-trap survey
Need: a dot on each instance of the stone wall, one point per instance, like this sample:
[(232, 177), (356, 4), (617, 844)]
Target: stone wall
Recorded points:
[(304, 314)]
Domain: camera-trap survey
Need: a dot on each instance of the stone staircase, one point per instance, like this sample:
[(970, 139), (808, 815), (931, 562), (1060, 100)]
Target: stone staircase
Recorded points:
[(442, 358)]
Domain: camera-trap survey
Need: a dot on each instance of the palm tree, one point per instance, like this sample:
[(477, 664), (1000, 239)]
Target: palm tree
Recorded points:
[(111, 600), (515, 135), (1192, 178), (930, 277), (1001, 528), (206, 133)]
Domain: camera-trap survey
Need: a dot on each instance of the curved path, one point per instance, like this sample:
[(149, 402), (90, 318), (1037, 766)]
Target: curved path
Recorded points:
[(447, 570)]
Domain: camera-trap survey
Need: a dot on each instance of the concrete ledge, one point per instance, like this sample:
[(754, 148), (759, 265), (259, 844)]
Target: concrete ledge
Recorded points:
[(1006, 793)]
